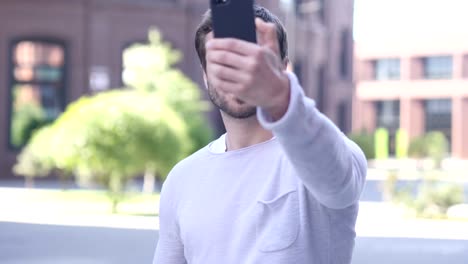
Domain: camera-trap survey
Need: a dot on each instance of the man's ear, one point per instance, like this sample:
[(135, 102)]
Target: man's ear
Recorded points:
[(285, 63)]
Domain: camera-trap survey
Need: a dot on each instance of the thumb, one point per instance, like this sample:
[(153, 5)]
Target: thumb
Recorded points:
[(267, 35)]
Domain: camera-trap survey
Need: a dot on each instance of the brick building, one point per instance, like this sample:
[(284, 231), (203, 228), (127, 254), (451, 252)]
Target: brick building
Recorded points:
[(416, 84), (54, 51)]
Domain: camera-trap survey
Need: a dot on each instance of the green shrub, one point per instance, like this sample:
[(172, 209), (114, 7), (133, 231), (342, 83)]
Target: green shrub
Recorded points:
[(401, 144), (381, 143), (36, 160), (366, 142), (429, 199), (434, 199), (436, 147), (418, 148), (433, 145)]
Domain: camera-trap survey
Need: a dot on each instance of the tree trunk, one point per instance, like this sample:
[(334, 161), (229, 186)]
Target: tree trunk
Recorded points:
[(149, 180), (64, 182), (115, 191), (115, 203), (29, 182)]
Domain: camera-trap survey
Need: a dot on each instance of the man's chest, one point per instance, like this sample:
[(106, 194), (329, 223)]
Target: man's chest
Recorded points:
[(213, 216), (242, 215)]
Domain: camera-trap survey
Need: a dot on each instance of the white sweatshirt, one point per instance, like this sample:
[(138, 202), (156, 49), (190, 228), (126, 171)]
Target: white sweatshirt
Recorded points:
[(290, 200)]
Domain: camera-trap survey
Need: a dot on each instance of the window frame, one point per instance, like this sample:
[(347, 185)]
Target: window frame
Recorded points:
[(12, 43), (432, 118), (345, 54), (438, 76), (389, 62)]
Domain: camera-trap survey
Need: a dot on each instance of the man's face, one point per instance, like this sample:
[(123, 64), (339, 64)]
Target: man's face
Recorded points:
[(226, 102)]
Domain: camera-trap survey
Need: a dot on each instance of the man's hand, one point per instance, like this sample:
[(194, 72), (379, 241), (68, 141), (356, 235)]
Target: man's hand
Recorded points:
[(253, 73)]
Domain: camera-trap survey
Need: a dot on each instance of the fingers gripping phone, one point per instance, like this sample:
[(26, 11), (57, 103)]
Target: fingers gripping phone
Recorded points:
[(234, 19)]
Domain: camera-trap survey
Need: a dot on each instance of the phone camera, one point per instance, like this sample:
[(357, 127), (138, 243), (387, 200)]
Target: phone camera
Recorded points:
[(221, 2)]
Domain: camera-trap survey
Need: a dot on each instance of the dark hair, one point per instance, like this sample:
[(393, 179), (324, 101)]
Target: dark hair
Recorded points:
[(206, 26)]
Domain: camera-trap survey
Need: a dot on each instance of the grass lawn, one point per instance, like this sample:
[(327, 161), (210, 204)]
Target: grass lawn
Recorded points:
[(76, 202)]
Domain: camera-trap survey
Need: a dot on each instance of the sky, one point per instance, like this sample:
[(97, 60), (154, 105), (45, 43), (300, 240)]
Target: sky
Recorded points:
[(377, 19)]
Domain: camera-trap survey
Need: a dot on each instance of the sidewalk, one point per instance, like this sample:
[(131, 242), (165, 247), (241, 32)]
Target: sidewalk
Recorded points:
[(376, 219), (24, 209)]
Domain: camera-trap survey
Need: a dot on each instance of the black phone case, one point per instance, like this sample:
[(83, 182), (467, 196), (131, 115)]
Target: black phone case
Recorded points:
[(234, 19)]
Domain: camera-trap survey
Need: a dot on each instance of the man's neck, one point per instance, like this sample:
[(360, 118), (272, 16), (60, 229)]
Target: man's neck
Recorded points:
[(242, 133)]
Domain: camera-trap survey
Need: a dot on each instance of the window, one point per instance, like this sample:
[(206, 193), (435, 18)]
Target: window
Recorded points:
[(439, 116), (388, 114), (37, 87), (345, 56), (440, 67), (387, 69)]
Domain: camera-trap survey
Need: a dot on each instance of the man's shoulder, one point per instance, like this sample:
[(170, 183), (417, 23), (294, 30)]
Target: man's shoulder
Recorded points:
[(187, 166)]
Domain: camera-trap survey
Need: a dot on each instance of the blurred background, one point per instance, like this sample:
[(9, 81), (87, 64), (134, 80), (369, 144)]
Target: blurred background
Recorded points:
[(100, 98)]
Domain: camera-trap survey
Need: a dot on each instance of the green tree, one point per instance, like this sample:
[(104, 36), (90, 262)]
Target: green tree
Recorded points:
[(151, 67), (117, 135), (35, 160), (114, 136)]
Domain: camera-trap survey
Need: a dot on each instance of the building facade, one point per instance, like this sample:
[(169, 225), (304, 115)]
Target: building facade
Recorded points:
[(54, 51), (418, 85)]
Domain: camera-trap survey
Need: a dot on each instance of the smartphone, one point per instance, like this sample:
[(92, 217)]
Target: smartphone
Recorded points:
[(234, 19)]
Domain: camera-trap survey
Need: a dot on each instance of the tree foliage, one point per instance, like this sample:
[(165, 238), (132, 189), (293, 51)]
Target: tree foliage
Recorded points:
[(25, 120), (113, 136), (366, 142), (433, 145), (36, 160), (150, 67)]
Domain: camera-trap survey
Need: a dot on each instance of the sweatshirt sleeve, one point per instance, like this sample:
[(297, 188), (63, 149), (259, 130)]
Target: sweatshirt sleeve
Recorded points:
[(169, 249), (332, 167)]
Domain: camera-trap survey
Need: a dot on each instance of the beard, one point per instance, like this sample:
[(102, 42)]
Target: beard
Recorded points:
[(241, 111)]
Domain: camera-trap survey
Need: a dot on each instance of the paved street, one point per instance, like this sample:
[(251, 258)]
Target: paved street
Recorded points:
[(410, 251), (44, 244), (49, 244), (383, 237)]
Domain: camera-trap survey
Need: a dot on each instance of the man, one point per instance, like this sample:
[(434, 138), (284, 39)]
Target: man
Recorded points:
[(281, 186)]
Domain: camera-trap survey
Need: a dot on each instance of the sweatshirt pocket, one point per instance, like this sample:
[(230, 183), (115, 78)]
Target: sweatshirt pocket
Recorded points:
[(277, 225)]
